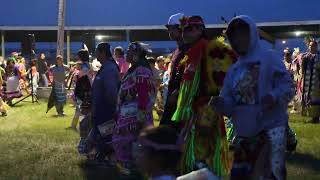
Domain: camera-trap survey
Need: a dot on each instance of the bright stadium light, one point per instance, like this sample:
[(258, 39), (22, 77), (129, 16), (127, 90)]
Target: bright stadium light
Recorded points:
[(298, 33), (99, 37), (283, 42)]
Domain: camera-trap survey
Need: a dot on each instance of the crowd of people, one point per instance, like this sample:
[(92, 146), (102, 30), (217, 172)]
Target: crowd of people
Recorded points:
[(16, 79), (304, 69), (19, 78), (202, 92)]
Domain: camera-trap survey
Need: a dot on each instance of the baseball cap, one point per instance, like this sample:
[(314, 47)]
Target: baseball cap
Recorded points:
[(175, 19)]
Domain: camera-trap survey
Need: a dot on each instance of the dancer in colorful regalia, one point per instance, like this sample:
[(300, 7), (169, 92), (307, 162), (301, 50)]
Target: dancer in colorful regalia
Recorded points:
[(297, 74), (58, 96), (205, 65), (12, 76), (137, 96), (311, 82)]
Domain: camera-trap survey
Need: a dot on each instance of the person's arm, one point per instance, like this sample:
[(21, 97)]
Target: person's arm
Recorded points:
[(282, 84), (51, 68), (283, 90), (122, 68), (67, 68), (68, 73)]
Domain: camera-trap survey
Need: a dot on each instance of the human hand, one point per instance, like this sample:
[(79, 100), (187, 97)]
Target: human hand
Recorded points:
[(161, 86)]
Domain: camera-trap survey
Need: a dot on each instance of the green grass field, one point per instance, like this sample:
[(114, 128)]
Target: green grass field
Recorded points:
[(35, 145)]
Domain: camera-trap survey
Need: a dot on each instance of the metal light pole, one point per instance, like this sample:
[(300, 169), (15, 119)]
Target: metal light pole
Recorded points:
[(2, 46), (60, 37)]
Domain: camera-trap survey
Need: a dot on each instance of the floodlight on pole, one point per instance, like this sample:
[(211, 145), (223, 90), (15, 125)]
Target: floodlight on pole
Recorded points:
[(99, 37), (298, 33)]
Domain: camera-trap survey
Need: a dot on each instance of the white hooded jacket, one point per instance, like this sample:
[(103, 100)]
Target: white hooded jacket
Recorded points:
[(273, 79)]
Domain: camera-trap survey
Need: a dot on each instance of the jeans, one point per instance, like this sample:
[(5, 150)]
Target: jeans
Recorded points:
[(43, 80)]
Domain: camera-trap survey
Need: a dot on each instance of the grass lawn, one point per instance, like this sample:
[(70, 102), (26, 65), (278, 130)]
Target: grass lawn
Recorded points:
[(35, 145)]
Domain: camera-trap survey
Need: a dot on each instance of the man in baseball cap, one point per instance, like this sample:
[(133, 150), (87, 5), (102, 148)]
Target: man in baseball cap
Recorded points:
[(173, 27), (175, 34)]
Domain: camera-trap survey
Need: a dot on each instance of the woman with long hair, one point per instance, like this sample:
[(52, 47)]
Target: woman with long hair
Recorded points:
[(136, 99)]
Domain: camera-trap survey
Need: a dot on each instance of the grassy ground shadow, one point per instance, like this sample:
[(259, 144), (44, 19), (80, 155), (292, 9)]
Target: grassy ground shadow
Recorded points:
[(305, 161), (102, 173)]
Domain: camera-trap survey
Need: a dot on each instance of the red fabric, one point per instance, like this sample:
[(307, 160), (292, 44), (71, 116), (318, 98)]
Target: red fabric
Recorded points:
[(143, 96), (195, 54)]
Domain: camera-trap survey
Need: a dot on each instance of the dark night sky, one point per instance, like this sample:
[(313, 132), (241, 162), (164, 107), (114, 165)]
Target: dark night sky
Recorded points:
[(151, 12)]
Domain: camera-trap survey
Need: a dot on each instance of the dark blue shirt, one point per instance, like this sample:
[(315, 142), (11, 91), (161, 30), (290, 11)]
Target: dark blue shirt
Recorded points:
[(105, 93)]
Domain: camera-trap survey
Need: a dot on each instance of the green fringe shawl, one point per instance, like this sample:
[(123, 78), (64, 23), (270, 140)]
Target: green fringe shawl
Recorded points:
[(188, 90), (219, 162)]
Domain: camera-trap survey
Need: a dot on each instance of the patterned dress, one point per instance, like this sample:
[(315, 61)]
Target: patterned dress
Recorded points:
[(59, 75), (58, 87), (311, 84), (297, 75), (12, 87), (137, 94)]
